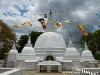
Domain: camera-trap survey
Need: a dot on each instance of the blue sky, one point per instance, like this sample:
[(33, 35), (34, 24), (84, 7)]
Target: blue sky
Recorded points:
[(15, 12)]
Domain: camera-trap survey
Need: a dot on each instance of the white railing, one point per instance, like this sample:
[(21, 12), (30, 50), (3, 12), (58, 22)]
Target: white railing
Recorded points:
[(90, 71), (84, 71)]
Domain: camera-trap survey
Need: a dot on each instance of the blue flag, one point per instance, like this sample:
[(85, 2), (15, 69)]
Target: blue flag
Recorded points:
[(98, 14)]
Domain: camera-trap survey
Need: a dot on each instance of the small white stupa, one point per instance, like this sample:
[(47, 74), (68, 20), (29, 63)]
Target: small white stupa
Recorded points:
[(28, 52), (71, 58), (87, 55), (28, 55), (12, 57), (71, 52)]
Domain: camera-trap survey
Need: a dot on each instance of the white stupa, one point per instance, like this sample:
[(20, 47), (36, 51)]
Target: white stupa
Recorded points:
[(50, 42), (28, 52), (71, 52), (28, 55), (87, 55), (12, 57)]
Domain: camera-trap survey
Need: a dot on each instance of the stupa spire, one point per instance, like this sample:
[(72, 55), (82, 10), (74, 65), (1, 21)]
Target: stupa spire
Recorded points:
[(29, 42), (50, 12), (86, 47), (70, 41), (50, 25)]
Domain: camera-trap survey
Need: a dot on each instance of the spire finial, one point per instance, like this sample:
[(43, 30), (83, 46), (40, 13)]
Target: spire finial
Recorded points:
[(86, 47), (29, 40), (50, 11)]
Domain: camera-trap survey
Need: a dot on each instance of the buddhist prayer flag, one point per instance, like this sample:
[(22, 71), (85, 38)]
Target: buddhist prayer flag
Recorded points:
[(81, 27), (93, 27), (58, 24), (23, 24), (98, 14), (16, 26), (41, 20), (27, 23), (69, 21)]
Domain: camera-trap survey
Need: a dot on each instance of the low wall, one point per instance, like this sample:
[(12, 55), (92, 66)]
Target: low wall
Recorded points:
[(11, 71)]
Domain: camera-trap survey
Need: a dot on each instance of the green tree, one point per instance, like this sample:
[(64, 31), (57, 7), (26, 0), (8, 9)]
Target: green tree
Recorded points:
[(93, 41), (7, 39), (86, 39)]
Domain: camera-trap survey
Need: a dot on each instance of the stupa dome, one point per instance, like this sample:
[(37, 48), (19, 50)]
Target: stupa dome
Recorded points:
[(28, 53), (71, 53), (13, 51), (87, 55), (28, 50), (50, 40), (12, 56)]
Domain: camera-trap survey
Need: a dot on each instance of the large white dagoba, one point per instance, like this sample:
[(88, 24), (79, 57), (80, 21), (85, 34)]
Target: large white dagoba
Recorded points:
[(50, 42)]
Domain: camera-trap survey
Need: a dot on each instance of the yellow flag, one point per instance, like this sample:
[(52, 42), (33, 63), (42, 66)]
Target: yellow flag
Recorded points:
[(15, 26), (69, 21), (82, 25)]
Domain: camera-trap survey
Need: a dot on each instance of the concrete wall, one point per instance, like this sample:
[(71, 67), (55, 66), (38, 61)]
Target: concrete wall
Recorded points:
[(30, 66), (12, 71), (66, 66)]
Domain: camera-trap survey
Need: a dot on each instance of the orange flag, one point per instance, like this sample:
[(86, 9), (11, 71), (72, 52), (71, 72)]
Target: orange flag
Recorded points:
[(81, 26), (28, 23), (58, 24)]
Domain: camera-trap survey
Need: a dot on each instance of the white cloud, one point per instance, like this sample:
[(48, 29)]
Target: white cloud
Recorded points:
[(31, 10), (23, 10)]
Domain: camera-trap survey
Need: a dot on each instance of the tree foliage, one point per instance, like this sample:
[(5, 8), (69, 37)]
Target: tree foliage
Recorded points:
[(21, 43), (93, 41), (7, 38), (34, 35), (24, 39)]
